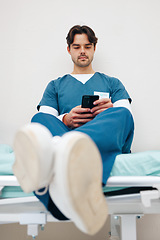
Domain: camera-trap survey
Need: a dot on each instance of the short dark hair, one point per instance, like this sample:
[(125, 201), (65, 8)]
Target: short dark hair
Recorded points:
[(77, 29)]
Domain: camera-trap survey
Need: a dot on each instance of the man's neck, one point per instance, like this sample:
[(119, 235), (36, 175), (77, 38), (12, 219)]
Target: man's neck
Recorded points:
[(83, 70)]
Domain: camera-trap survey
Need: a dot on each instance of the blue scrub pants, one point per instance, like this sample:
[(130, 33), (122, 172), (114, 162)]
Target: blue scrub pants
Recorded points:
[(112, 131)]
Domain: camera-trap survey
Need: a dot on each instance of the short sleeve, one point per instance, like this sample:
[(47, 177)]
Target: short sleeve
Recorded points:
[(49, 97), (118, 91)]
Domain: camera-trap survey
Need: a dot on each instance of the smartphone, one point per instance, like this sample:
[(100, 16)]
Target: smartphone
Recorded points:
[(87, 101)]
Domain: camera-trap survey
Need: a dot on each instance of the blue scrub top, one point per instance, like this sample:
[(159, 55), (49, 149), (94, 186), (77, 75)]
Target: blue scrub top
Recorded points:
[(66, 92)]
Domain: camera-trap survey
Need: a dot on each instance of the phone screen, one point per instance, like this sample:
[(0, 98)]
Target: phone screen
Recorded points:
[(87, 101)]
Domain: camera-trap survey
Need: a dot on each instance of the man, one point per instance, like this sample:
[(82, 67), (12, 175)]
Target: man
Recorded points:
[(65, 171)]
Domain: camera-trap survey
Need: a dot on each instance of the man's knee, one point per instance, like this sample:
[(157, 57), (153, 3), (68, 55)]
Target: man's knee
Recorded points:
[(116, 113), (41, 117)]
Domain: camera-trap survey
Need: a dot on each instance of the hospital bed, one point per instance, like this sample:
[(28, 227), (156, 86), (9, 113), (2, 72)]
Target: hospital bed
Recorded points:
[(131, 192)]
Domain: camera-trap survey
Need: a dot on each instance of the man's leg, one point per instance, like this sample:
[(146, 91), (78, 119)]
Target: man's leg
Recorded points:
[(76, 192), (54, 125), (87, 184), (34, 149), (57, 128), (112, 131)]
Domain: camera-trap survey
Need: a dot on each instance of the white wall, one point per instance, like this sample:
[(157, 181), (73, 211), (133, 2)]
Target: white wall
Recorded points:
[(33, 52)]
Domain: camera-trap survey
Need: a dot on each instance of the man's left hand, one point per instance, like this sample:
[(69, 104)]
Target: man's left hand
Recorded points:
[(101, 105)]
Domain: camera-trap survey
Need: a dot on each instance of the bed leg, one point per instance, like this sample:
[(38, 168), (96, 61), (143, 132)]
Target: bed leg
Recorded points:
[(123, 227), (115, 227), (128, 227), (34, 222), (33, 230)]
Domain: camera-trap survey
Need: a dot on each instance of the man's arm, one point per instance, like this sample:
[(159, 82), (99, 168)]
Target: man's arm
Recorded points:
[(101, 105), (74, 118), (123, 103), (104, 103), (77, 117)]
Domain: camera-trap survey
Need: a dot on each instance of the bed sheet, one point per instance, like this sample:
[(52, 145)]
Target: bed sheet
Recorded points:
[(135, 164)]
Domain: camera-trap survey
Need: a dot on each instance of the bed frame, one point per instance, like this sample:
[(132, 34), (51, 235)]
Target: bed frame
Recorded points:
[(123, 209)]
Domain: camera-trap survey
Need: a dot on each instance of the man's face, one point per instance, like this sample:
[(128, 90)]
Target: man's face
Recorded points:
[(81, 50)]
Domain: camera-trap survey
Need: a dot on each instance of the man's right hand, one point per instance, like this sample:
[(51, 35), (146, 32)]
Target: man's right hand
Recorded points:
[(77, 117)]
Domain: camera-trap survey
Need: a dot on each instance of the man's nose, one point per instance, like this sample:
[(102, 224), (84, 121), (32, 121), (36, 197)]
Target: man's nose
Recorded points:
[(82, 50)]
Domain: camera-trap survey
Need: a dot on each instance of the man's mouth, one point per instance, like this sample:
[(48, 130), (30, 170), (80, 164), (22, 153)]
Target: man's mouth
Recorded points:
[(82, 57)]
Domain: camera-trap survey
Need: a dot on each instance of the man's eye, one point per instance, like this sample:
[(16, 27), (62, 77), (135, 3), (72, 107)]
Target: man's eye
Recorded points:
[(76, 46)]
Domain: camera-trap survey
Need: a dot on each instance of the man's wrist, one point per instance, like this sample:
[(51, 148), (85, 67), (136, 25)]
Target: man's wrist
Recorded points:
[(64, 119)]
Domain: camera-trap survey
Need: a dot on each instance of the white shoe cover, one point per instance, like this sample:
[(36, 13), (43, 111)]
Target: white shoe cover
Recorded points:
[(33, 157), (76, 188)]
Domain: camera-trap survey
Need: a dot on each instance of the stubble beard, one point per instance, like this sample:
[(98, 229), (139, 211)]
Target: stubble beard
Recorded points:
[(82, 63)]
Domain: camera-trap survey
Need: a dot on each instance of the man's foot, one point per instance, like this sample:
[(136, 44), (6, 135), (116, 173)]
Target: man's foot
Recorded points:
[(33, 150), (76, 188), (72, 168)]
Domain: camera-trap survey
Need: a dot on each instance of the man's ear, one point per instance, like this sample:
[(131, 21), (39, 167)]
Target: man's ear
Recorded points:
[(68, 49)]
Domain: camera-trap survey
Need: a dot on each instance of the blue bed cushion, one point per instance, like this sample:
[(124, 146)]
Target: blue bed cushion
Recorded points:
[(6, 159), (137, 164), (6, 162), (134, 164)]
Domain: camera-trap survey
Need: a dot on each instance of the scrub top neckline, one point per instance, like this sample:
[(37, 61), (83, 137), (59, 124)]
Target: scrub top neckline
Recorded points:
[(80, 81)]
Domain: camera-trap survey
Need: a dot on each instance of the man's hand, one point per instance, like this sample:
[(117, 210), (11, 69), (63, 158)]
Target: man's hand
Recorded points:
[(101, 105), (77, 117)]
